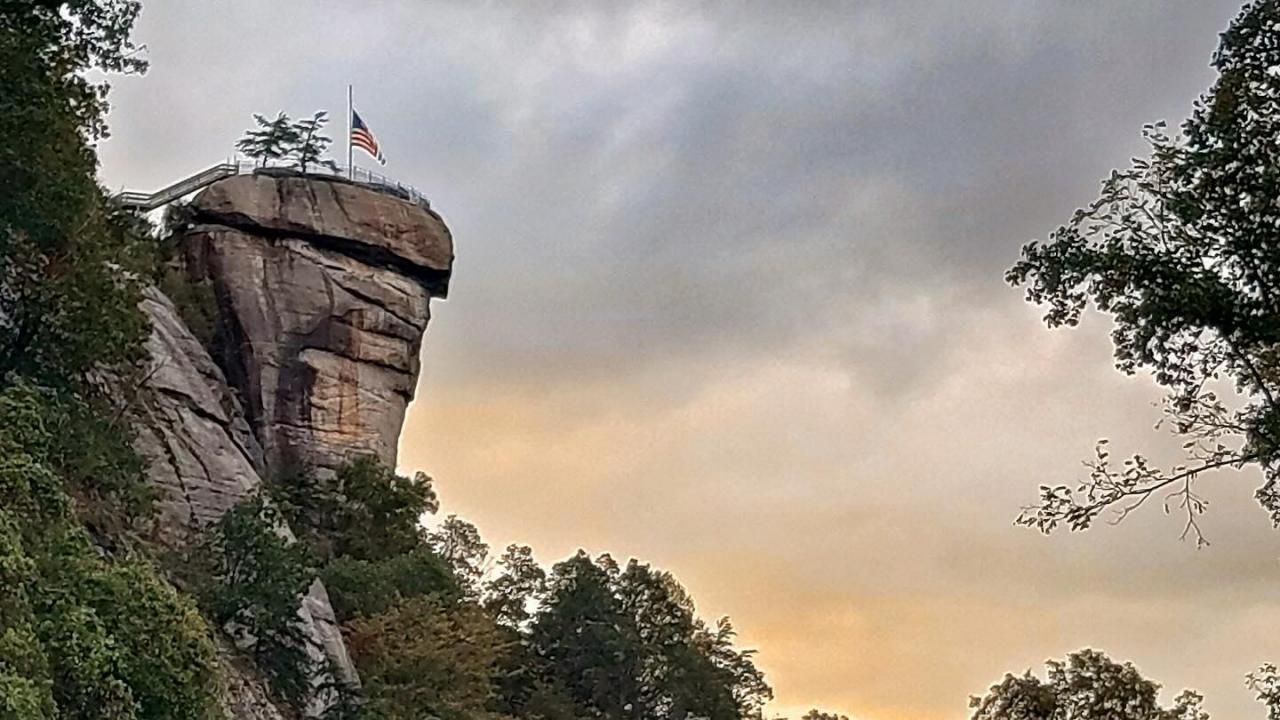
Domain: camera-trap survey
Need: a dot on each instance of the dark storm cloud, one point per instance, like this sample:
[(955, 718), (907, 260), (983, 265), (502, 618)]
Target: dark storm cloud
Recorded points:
[(765, 175), (723, 197)]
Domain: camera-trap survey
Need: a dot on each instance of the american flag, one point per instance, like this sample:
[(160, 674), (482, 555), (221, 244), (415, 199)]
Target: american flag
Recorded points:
[(362, 137)]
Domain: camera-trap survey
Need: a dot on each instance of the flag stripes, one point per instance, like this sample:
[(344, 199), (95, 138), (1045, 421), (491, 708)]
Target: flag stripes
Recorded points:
[(362, 137)]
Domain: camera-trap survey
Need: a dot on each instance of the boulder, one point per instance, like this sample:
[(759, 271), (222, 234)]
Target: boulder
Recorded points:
[(323, 348), (190, 431)]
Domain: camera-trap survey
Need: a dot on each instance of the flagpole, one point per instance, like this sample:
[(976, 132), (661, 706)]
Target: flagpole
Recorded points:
[(351, 171)]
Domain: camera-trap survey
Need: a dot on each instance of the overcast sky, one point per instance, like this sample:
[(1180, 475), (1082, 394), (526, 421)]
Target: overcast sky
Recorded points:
[(728, 298)]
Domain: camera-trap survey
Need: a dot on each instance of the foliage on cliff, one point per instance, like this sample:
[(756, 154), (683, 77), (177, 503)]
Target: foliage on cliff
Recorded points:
[(62, 308), (248, 578), (81, 635), (88, 627)]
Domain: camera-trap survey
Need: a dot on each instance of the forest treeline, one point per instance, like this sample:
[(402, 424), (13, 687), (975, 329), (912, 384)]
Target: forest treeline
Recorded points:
[(438, 628)]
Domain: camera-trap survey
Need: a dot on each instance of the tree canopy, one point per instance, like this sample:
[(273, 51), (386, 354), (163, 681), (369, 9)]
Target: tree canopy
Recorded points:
[(625, 643), (62, 307), (1087, 685), (436, 626), (1182, 249)]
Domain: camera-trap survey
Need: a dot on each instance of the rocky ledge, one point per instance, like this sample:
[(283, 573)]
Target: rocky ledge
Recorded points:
[(360, 221)]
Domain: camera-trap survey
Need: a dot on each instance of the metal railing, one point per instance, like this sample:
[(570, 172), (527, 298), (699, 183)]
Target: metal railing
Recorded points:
[(185, 186), (355, 174), (377, 181)]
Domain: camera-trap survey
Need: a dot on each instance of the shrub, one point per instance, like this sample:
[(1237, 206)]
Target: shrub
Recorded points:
[(361, 588), (82, 635), (250, 578)]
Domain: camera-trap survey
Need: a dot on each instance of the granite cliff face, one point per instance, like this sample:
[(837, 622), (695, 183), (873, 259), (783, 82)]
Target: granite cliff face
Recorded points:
[(322, 293)]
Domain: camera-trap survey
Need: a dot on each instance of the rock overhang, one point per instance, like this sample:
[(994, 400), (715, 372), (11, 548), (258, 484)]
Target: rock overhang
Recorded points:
[(368, 224)]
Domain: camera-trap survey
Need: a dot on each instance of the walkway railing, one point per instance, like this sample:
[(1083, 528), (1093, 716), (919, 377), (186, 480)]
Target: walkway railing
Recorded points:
[(186, 186), (358, 175), (377, 181)]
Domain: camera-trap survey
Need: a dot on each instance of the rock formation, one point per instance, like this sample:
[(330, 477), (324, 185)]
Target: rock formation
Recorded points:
[(322, 290), (199, 450)]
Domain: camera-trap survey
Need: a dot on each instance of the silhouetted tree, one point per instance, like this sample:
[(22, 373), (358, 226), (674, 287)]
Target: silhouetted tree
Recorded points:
[(1183, 250), (459, 544), (519, 582), (587, 641), (1265, 682), (820, 715), (1086, 686), (626, 644)]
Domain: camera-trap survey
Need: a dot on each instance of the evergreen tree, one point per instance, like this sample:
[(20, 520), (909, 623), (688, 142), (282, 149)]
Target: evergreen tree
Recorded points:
[(626, 644), (519, 582), (587, 641), (272, 140), (311, 142), (459, 544)]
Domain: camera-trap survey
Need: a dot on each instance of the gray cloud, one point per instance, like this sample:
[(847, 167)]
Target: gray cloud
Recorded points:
[(659, 181)]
